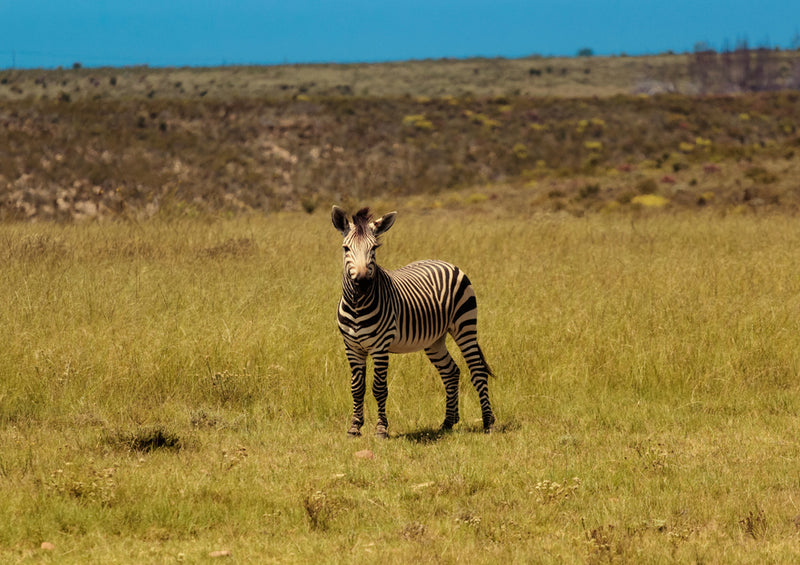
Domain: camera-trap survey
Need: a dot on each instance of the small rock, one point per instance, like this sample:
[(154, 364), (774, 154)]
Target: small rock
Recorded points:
[(419, 486), (220, 553), (365, 454), (87, 208), (46, 545)]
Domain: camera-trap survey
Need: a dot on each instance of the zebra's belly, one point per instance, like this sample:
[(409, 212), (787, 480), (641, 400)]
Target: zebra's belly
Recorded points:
[(367, 338), (409, 345)]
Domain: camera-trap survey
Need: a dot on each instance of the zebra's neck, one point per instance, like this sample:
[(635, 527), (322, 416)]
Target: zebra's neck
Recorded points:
[(359, 297)]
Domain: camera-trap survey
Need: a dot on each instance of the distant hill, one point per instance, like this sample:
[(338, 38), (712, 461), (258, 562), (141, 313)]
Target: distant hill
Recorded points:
[(531, 76), (578, 134)]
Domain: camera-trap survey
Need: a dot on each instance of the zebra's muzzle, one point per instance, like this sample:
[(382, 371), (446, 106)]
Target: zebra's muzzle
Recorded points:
[(362, 284)]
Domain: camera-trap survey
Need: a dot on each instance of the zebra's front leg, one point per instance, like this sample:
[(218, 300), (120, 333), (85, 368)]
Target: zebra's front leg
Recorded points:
[(358, 387), (380, 391)]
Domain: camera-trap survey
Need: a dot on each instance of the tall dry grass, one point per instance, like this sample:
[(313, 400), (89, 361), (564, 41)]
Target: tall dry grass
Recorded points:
[(174, 388)]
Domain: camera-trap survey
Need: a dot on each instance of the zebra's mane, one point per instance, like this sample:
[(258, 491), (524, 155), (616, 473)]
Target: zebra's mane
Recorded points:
[(361, 221)]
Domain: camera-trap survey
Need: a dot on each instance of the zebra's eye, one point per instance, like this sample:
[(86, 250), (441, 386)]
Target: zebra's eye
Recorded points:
[(346, 249)]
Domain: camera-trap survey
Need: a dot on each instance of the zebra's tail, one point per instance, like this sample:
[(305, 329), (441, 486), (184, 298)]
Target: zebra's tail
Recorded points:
[(485, 362)]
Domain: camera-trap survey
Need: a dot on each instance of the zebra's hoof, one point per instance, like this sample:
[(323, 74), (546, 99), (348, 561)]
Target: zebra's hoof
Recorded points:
[(488, 425), (381, 432), (447, 425), (354, 431)]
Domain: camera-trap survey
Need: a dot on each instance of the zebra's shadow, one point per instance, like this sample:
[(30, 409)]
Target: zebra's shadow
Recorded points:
[(432, 435), (425, 435)]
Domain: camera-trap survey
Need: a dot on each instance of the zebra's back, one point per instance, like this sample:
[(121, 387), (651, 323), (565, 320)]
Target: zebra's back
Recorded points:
[(429, 298)]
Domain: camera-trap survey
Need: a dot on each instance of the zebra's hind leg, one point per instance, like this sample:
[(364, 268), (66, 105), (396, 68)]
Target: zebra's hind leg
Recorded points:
[(479, 374), (380, 391), (450, 373), (358, 366)]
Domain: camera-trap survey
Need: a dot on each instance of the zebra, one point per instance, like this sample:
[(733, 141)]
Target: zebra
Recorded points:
[(401, 311)]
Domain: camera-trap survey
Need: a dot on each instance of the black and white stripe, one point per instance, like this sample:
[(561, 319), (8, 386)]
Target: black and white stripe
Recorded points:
[(409, 309)]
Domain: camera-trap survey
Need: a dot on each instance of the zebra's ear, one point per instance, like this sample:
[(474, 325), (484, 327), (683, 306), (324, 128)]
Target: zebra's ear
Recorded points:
[(339, 219), (382, 224)]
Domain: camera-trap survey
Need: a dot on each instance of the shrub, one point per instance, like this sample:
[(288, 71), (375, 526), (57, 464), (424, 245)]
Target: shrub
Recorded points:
[(418, 121), (650, 200), (754, 524), (647, 186), (760, 175), (589, 190)]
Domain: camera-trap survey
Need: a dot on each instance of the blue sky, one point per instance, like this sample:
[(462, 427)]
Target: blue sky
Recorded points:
[(47, 33)]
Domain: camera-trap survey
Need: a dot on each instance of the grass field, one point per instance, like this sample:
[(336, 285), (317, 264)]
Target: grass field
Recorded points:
[(176, 389)]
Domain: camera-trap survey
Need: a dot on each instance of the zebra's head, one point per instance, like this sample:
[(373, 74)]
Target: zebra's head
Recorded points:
[(361, 239)]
